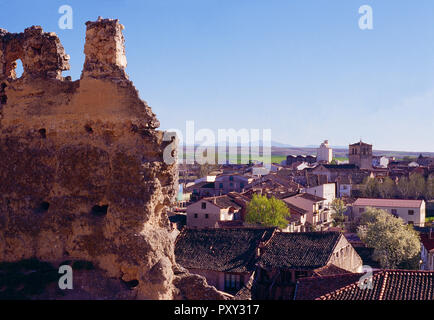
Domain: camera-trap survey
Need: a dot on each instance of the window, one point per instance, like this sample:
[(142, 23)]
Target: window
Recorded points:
[(203, 205), (411, 223), (233, 282), (195, 215), (221, 185), (394, 212), (410, 212), (361, 210), (231, 178), (206, 215), (242, 185)]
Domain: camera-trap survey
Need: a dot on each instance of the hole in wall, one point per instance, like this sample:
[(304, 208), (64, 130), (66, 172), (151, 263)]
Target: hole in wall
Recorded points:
[(43, 207), (19, 69), (3, 96), (99, 211), (43, 133), (88, 128), (131, 284)]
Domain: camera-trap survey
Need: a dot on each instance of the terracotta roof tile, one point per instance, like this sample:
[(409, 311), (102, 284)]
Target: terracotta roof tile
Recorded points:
[(220, 249), (399, 203), (300, 250), (389, 285)]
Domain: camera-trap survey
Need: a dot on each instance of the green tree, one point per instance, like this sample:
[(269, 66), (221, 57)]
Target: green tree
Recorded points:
[(403, 188), (269, 212), (429, 189), (371, 188), (387, 188), (338, 209), (417, 185), (395, 243)]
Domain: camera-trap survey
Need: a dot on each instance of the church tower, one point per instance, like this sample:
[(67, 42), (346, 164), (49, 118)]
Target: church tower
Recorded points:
[(360, 154)]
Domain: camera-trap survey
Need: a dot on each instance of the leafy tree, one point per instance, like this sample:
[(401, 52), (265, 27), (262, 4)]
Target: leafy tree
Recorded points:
[(395, 243), (387, 188), (429, 189), (269, 212), (403, 187), (371, 188), (417, 185), (338, 209)]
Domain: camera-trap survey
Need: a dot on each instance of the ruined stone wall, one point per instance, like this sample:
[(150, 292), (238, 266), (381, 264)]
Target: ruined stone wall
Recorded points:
[(82, 176)]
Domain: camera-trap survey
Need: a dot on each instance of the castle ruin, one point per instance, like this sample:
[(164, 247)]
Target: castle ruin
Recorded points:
[(82, 176)]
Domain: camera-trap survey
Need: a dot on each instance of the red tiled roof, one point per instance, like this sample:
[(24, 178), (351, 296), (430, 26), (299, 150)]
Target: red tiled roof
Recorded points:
[(299, 250), (311, 197), (389, 285), (293, 209), (230, 250), (314, 287), (329, 270), (223, 202), (388, 203)]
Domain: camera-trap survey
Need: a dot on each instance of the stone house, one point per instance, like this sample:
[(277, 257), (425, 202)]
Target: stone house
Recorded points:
[(326, 191), (332, 171), (208, 212), (411, 211), (199, 190), (297, 219), (290, 256), (343, 186), (316, 213), (231, 183), (225, 257)]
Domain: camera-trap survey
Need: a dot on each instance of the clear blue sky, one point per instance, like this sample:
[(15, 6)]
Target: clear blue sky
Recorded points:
[(300, 67)]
